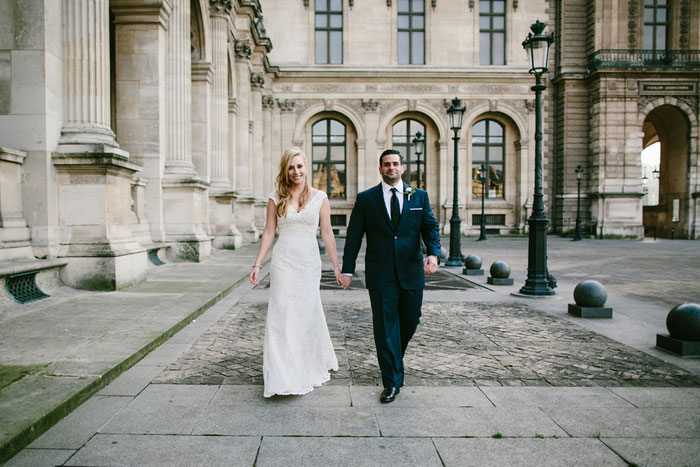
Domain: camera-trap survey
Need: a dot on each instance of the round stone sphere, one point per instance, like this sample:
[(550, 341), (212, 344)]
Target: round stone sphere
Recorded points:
[(500, 270), (590, 293), (683, 322), (472, 262)]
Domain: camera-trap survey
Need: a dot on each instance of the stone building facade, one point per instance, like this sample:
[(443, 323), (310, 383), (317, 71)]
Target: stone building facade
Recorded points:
[(132, 130)]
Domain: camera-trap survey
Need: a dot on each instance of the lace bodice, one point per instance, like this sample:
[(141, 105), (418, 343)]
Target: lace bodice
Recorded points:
[(302, 222)]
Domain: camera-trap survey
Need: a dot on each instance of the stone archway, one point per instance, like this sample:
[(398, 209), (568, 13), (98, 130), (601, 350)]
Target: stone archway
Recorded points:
[(669, 126)]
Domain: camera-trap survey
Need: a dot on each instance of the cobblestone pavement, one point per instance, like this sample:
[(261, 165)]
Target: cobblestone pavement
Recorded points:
[(460, 344)]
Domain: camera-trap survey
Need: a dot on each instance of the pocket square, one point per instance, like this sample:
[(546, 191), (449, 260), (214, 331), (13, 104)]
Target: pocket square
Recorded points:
[(416, 209)]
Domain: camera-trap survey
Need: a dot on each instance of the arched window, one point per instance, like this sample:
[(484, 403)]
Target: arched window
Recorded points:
[(402, 135), (329, 160), (487, 149)]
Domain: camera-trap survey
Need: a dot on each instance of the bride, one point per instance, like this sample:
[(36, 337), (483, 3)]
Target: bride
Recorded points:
[(297, 352)]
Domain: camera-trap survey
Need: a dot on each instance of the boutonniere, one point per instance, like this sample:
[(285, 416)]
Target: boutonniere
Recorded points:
[(409, 192)]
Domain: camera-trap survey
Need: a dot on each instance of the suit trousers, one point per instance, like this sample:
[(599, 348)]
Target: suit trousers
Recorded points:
[(395, 316)]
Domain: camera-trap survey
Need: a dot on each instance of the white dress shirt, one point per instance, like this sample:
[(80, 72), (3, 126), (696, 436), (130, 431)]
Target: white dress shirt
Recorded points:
[(386, 188)]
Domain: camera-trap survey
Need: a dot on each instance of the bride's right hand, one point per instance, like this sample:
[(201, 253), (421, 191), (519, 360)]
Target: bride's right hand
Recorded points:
[(253, 276)]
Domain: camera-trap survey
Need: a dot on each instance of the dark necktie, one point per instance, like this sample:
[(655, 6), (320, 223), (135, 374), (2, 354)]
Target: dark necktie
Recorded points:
[(395, 210)]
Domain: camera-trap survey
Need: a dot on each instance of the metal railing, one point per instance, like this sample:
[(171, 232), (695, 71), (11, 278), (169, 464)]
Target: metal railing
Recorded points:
[(674, 59)]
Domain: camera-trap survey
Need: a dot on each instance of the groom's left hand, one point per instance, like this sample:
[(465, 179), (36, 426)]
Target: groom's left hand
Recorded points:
[(430, 264)]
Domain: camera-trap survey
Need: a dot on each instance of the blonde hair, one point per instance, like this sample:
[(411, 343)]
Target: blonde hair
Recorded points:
[(284, 194)]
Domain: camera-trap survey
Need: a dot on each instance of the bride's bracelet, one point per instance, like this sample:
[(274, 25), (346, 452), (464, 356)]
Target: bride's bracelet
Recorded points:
[(257, 266)]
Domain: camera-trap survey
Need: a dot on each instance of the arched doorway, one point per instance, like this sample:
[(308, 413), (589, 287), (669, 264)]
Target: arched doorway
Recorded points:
[(668, 127)]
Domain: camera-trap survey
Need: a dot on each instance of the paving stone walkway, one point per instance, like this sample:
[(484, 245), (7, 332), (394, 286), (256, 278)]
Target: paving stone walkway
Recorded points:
[(457, 344)]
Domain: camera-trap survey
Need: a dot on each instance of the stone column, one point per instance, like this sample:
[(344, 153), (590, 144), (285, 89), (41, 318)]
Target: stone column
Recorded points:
[(257, 83), (141, 46), (14, 233), (245, 200), (184, 191), (220, 10), (270, 157), (103, 254), (86, 88), (221, 194)]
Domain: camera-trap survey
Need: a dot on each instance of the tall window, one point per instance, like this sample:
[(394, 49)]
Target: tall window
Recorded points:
[(492, 32), (328, 157), (655, 24), (487, 149), (402, 135), (411, 22), (329, 31)]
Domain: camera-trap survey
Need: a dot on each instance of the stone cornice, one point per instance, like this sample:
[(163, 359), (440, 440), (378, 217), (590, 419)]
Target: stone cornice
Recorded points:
[(12, 155)]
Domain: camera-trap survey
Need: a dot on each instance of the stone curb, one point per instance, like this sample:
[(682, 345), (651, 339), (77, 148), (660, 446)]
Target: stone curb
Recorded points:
[(35, 429)]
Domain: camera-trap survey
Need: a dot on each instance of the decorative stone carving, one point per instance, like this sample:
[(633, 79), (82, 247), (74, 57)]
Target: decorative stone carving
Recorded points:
[(433, 4), (684, 40), (632, 13), (515, 5), (306, 3), (412, 104), (471, 5), (268, 102), (243, 50), (530, 105), (251, 126), (220, 6), (493, 105), (287, 105), (257, 80), (232, 105), (328, 104)]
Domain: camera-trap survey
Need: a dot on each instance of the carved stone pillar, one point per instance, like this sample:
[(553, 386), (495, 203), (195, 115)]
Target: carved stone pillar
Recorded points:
[(257, 83), (86, 99), (245, 200), (141, 55), (96, 236), (219, 13), (184, 191)]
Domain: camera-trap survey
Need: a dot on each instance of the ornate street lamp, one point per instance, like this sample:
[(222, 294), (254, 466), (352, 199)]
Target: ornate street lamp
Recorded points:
[(456, 112), (538, 280), (577, 234), (482, 178), (418, 147)]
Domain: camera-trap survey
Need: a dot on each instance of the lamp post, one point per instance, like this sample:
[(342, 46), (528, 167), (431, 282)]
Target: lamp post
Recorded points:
[(482, 179), (418, 146), (538, 280), (456, 112), (577, 234)]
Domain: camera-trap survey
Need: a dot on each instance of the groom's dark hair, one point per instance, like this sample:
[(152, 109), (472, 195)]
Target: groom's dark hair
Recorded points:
[(390, 151)]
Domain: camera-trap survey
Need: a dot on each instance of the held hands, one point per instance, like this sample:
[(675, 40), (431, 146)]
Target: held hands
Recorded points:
[(345, 281), (430, 264), (338, 275)]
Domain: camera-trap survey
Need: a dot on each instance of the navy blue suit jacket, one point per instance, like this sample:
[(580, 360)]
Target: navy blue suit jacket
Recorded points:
[(390, 252)]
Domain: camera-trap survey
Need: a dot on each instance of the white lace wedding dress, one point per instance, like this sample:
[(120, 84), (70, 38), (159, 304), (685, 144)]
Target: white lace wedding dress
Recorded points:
[(297, 352)]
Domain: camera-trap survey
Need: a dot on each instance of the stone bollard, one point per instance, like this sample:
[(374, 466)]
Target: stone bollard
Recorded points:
[(590, 296), (472, 266), (500, 272), (683, 324)]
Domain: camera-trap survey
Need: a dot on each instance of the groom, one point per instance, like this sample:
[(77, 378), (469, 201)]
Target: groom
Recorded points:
[(394, 216)]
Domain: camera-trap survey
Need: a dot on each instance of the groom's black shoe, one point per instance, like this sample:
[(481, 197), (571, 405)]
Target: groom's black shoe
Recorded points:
[(389, 394)]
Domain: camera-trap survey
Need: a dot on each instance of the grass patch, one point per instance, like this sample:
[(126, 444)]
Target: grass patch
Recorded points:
[(497, 436), (11, 373)]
